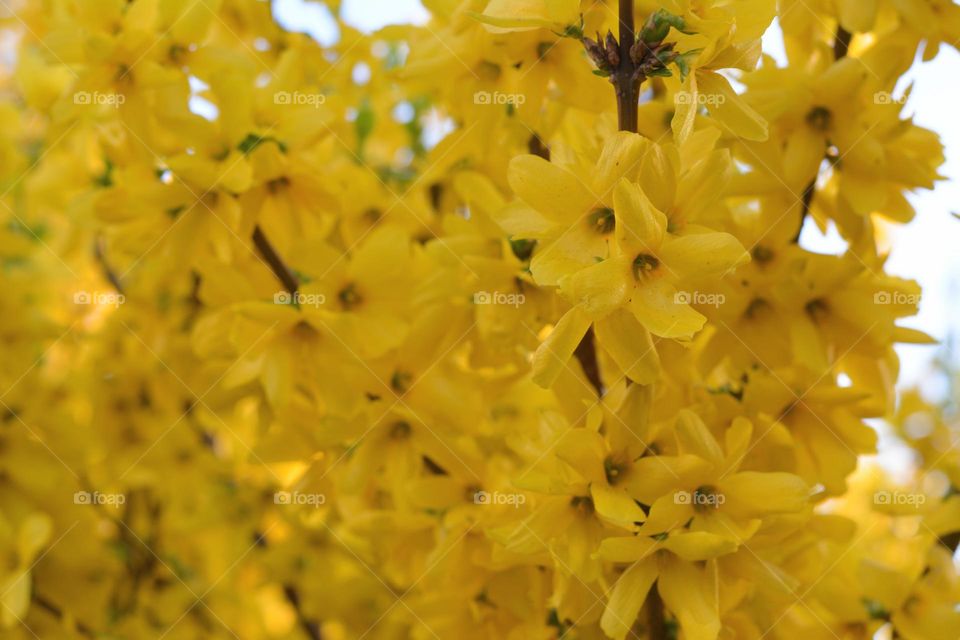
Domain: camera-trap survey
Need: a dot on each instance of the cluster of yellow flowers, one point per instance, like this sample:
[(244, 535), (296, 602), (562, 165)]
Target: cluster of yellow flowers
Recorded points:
[(485, 328)]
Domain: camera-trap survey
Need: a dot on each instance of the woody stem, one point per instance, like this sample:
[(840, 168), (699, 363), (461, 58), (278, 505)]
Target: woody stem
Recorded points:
[(841, 46), (656, 623), (625, 81), (274, 261)]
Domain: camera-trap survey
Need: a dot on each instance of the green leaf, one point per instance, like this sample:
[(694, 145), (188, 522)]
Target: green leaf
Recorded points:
[(658, 26), (683, 62), (574, 31), (601, 72)]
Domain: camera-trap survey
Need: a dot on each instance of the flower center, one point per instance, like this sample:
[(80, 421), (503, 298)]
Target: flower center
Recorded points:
[(602, 220), (614, 470), (762, 254), (349, 297), (644, 265), (706, 497), (583, 505), (820, 118), (818, 309), (400, 430)]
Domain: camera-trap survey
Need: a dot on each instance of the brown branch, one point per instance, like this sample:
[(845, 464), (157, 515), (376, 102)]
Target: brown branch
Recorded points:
[(99, 252), (841, 43), (626, 80), (274, 261), (538, 147), (310, 627), (841, 46), (656, 624), (807, 202), (950, 541), (586, 353), (58, 613)]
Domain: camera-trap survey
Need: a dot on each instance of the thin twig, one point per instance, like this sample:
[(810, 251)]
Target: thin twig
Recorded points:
[(58, 613), (841, 46), (310, 627), (656, 623), (99, 252), (276, 263)]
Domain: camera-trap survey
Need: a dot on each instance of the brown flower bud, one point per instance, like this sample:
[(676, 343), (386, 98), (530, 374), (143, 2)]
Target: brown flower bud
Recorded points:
[(596, 52), (613, 51)]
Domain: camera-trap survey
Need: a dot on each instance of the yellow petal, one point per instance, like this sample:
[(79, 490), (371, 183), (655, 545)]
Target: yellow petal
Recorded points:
[(703, 254), (630, 346), (685, 113), (477, 190), (689, 593), (584, 450), (640, 226), (529, 14), (552, 190), (658, 175), (653, 477), (802, 157), (615, 506), (620, 158), (695, 438), (627, 599), (697, 546), (554, 353), (659, 308), (666, 514), (729, 109), (601, 288), (754, 494), (857, 16), (626, 549)]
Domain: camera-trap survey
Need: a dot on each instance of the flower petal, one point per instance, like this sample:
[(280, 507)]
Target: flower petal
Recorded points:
[(640, 226), (550, 189), (656, 306), (556, 350), (630, 346), (627, 598), (620, 158), (689, 593), (703, 254), (601, 288)]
